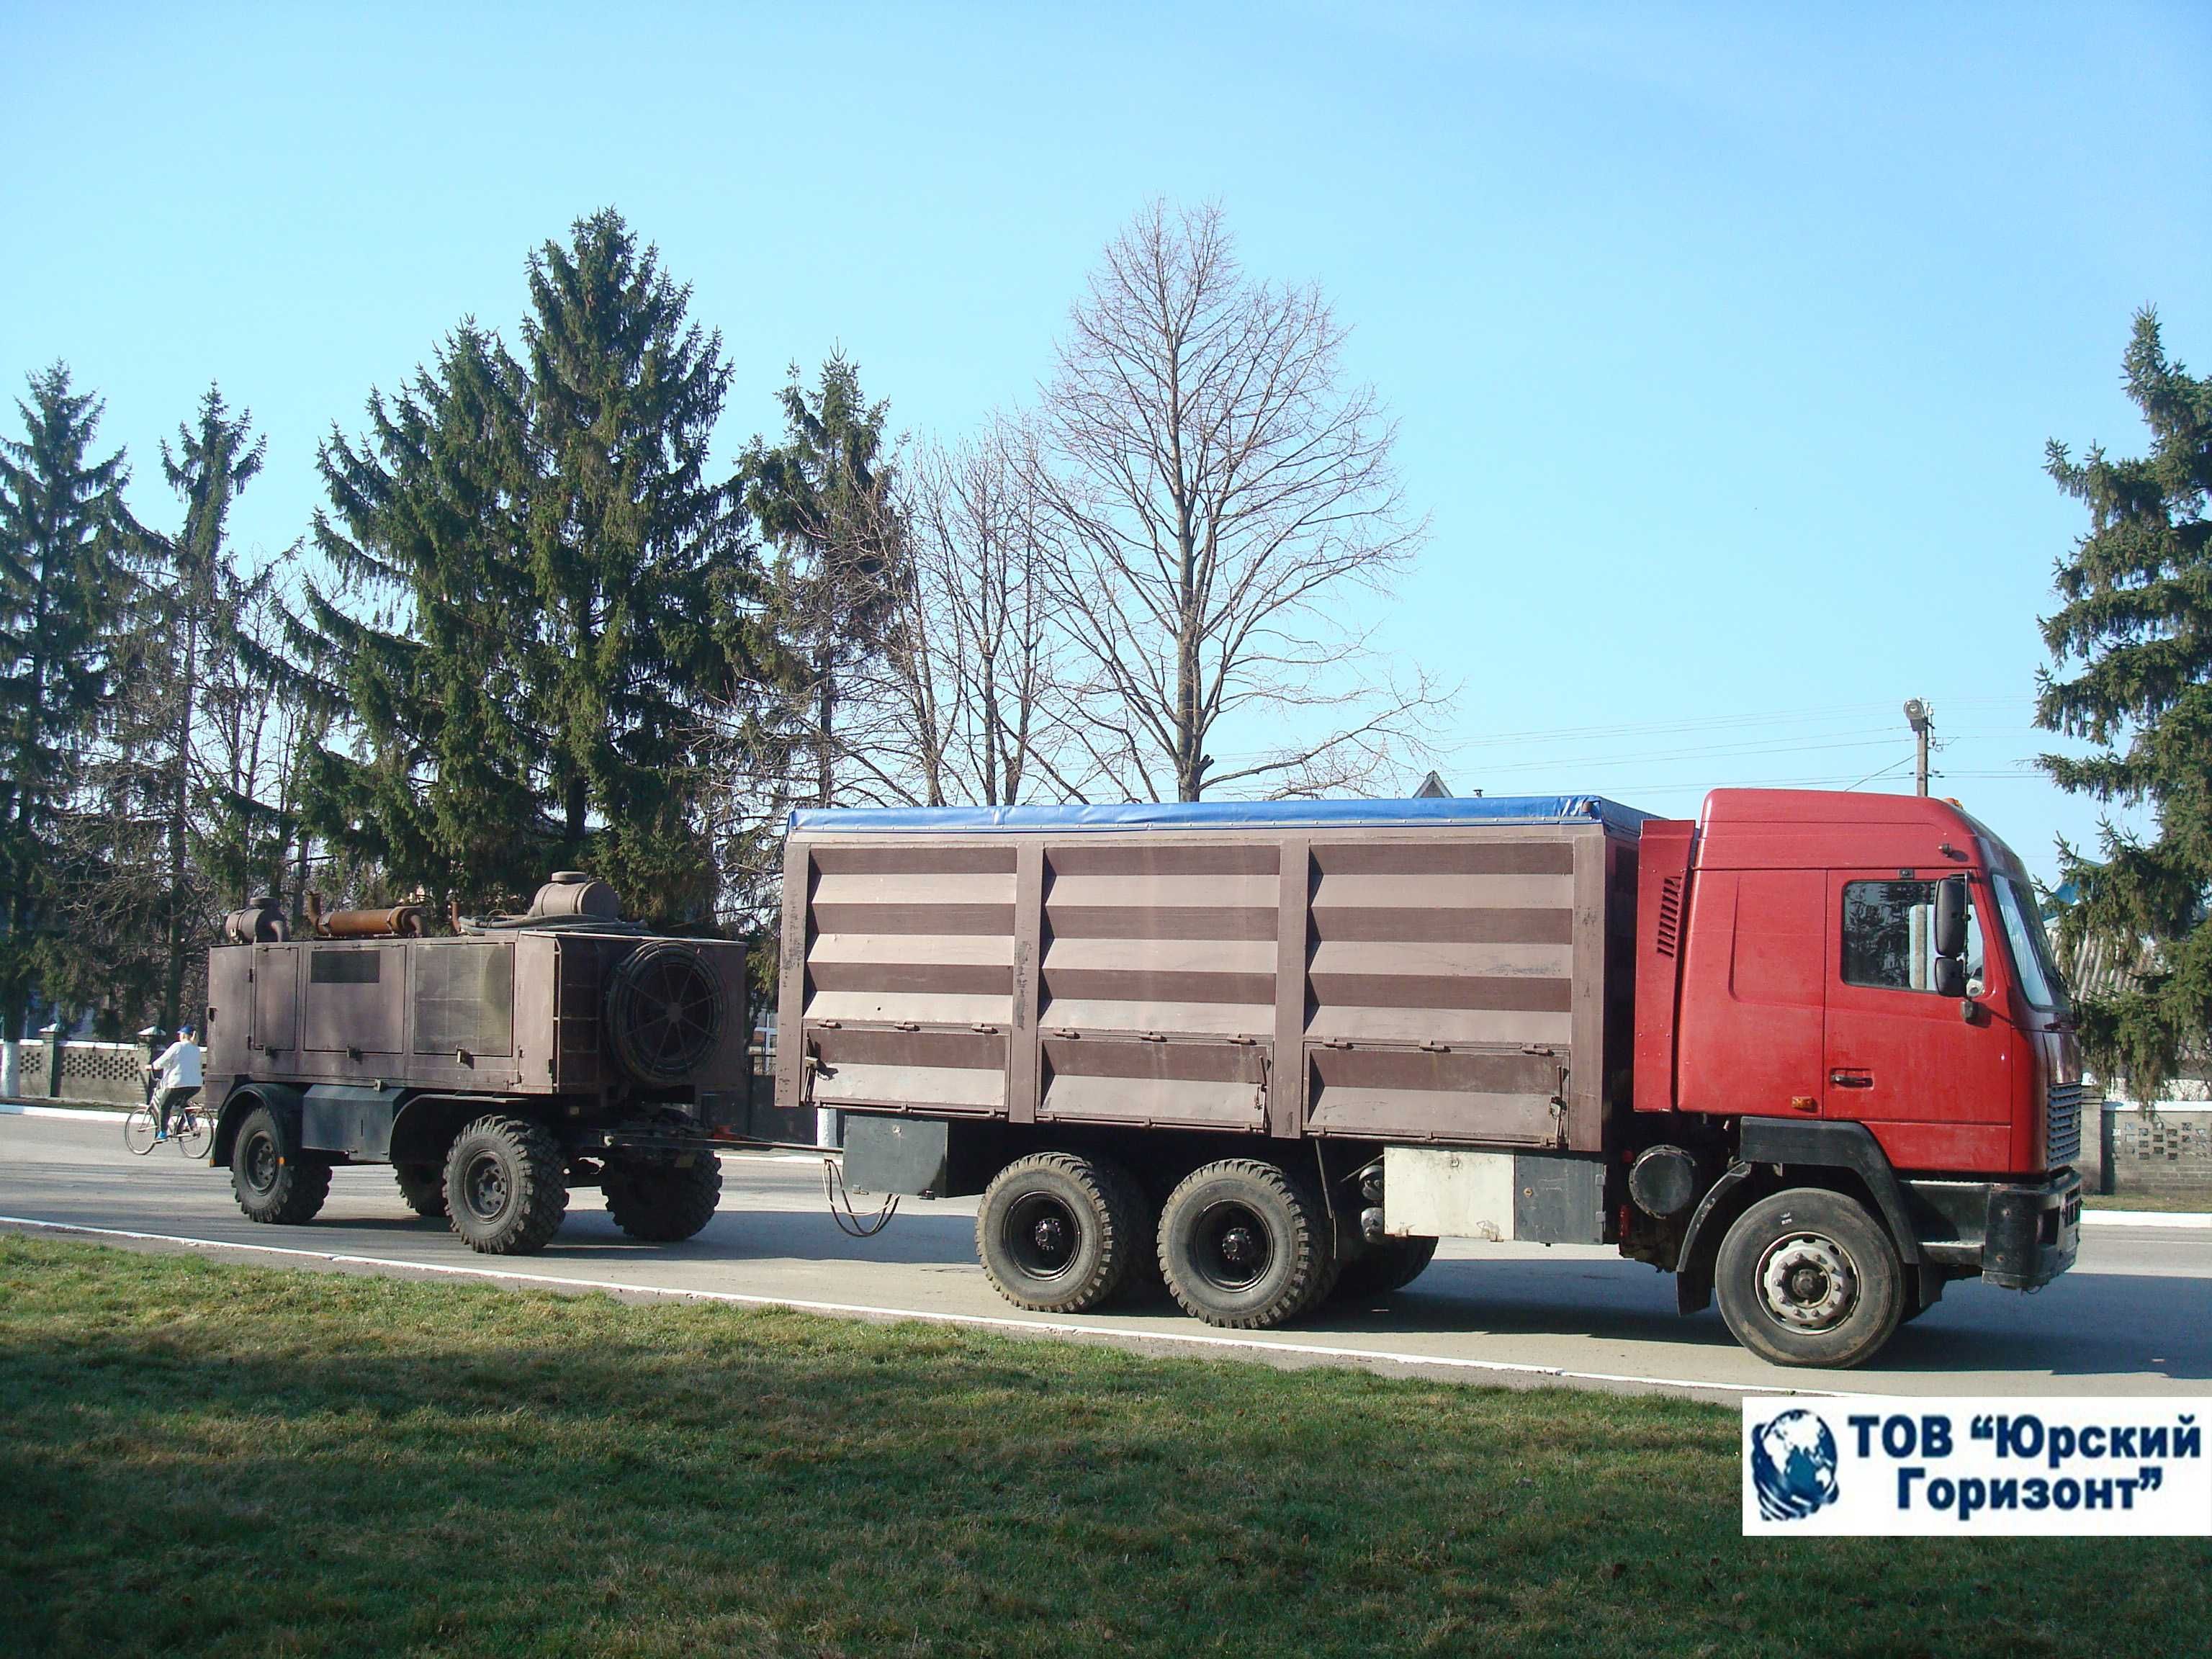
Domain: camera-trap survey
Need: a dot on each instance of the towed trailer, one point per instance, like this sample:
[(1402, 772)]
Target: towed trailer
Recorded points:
[(494, 1070), (1809, 1052)]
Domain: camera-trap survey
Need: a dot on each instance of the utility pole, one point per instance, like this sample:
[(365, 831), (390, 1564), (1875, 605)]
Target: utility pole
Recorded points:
[(1922, 719)]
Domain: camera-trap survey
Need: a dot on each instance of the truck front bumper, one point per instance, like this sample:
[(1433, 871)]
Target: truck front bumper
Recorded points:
[(2020, 1234)]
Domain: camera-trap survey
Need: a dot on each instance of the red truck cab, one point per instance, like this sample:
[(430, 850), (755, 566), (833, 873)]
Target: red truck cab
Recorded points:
[(1862, 982)]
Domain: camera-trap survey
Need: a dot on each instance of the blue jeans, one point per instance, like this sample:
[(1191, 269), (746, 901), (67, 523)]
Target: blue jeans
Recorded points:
[(168, 1099)]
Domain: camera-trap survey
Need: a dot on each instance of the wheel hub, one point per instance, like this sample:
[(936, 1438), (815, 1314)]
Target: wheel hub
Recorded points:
[(1042, 1235), (1808, 1282), (1231, 1246), (261, 1164), (487, 1188)]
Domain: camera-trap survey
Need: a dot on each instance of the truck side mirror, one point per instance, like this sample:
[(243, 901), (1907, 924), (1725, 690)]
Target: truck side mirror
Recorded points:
[(1950, 977), (1951, 917)]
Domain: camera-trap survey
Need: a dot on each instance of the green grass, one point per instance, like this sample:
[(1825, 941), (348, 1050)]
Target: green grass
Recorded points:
[(214, 1460)]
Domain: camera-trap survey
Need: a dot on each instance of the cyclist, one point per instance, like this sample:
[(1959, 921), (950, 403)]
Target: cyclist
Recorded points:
[(176, 1077)]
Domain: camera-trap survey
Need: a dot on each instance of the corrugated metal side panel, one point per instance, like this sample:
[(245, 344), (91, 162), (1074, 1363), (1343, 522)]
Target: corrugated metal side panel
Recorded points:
[(1443, 985), (909, 975), (464, 997), (1158, 981)]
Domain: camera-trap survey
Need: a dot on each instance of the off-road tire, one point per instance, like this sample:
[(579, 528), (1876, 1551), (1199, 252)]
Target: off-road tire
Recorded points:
[(1379, 1269), (423, 1188), (507, 1185), (663, 1203), (1823, 1231), (1056, 1232), (1246, 1244), (274, 1180)]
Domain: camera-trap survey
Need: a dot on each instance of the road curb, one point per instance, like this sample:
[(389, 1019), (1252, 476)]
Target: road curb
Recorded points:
[(1195, 1342), (95, 1114), (2196, 1220)]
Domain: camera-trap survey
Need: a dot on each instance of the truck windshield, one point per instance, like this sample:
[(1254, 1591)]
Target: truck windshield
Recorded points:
[(2032, 960)]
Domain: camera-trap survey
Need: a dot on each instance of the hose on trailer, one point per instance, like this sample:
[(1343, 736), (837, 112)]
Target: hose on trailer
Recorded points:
[(840, 1205)]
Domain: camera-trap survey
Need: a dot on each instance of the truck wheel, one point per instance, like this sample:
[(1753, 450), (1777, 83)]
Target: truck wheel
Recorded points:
[(1057, 1232), (1807, 1277), (1246, 1243), (1381, 1268), (507, 1188), (663, 1203), (423, 1186), (274, 1180)]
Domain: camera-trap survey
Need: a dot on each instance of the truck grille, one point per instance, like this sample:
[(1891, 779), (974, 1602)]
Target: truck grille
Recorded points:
[(2063, 1134)]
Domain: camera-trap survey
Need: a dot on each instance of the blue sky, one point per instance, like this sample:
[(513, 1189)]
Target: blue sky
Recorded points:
[(1724, 340)]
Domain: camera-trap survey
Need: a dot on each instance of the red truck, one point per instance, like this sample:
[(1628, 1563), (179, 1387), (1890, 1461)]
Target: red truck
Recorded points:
[(1810, 1052)]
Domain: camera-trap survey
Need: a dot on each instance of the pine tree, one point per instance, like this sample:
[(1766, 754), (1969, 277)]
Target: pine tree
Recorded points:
[(427, 521), (2135, 629), (826, 499), (641, 561), (558, 588), (61, 591), (216, 457)]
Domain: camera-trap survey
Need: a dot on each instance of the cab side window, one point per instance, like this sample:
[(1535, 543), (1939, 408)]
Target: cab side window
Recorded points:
[(1889, 930)]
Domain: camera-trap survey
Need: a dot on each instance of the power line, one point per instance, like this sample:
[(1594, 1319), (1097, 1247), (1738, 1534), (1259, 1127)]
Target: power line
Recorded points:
[(1859, 714)]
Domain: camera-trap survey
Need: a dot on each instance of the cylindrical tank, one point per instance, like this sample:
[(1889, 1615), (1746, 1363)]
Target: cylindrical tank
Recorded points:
[(261, 922), (573, 893), (400, 922)]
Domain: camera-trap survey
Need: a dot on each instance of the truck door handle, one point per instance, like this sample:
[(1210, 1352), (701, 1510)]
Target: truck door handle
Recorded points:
[(1848, 1077)]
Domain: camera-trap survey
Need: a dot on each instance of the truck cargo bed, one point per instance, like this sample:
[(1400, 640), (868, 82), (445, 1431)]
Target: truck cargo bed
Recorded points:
[(1428, 971)]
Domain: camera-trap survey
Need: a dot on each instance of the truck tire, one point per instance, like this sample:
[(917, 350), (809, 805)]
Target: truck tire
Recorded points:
[(1246, 1244), (423, 1186), (663, 1203), (507, 1185), (274, 1180), (1807, 1277), (1381, 1268), (1056, 1232)]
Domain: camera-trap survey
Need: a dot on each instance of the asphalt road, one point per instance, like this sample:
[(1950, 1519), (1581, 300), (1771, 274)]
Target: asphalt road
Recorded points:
[(2134, 1317)]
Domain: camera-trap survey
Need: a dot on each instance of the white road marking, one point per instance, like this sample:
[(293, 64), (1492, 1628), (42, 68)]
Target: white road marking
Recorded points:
[(1195, 1338), (2147, 1218)]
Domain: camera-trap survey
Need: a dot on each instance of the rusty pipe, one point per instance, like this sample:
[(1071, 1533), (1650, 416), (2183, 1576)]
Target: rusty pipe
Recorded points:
[(401, 921)]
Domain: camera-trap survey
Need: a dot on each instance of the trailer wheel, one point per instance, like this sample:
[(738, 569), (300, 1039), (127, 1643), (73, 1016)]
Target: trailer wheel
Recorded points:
[(507, 1188), (274, 1180), (1381, 1268), (663, 1203), (423, 1186), (1246, 1244), (1807, 1277), (1057, 1231)]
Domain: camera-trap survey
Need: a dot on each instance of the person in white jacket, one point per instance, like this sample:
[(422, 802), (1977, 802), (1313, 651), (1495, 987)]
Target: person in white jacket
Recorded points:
[(176, 1077)]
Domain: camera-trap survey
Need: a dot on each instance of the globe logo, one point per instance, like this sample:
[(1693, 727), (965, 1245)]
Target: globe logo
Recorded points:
[(1793, 1466)]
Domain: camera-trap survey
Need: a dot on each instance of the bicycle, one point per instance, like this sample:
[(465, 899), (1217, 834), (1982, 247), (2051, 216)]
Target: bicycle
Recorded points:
[(188, 1128)]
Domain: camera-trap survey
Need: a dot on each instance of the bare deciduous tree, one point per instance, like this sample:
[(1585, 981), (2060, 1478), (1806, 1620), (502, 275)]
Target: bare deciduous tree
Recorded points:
[(1220, 489), (974, 658)]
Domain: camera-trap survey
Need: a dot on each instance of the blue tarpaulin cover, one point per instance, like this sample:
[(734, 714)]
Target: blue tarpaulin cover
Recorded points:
[(1219, 815)]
